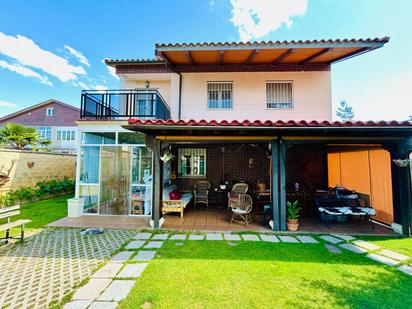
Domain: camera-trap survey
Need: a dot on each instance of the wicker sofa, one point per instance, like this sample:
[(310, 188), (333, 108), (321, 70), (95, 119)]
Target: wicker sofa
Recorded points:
[(169, 205)]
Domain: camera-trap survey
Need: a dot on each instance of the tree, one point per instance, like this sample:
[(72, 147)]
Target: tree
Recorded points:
[(345, 111), (19, 136)]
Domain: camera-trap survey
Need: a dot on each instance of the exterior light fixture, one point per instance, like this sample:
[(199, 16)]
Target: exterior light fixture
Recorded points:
[(147, 84)]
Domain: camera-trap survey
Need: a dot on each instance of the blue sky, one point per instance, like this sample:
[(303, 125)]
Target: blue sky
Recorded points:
[(54, 49)]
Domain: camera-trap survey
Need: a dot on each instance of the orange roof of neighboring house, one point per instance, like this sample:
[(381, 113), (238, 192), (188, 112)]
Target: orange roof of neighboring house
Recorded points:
[(265, 52)]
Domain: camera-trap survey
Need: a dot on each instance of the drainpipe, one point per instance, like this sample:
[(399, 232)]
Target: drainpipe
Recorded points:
[(180, 95)]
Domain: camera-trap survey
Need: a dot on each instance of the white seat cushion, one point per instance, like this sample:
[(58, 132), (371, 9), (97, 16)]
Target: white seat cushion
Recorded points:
[(239, 211), (186, 198)]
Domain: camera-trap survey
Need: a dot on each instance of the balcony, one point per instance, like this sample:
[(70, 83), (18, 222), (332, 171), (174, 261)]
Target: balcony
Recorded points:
[(118, 104)]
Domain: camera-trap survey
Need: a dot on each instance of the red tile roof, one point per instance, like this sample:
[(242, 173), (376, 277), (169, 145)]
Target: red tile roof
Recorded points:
[(269, 123)]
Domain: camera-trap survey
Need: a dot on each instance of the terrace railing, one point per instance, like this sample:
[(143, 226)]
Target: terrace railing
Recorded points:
[(117, 104)]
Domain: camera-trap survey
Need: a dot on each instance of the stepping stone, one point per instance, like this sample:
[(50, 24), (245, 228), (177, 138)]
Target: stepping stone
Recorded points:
[(178, 237), (228, 236), (269, 238), (160, 236), (92, 289), (231, 243), (154, 245), (393, 255), (77, 304), (353, 248), (103, 305), (344, 237), (307, 239), (108, 271), (117, 290), (122, 256), (196, 237), (333, 249), (214, 236), (132, 270), (288, 239), (382, 259), (250, 237), (406, 269), (144, 255), (143, 236), (179, 244), (366, 245), (331, 239), (135, 244)]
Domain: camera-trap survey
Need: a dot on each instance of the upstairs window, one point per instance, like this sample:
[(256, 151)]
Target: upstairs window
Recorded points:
[(279, 94), (50, 111), (219, 95), (192, 162)]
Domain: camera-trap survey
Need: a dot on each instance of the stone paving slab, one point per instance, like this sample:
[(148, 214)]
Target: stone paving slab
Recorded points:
[(214, 236), (122, 256), (103, 305), (331, 239), (250, 237), (382, 259), (307, 239), (353, 248), (406, 269), (77, 304), (160, 236), (108, 271), (135, 244), (228, 236), (117, 290), (366, 245), (144, 255), (178, 237), (196, 237), (154, 245), (393, 255), (269, 238), (333, 249), (143, 236), (132, 270), (92, 289), (288, 239), (344, 237)]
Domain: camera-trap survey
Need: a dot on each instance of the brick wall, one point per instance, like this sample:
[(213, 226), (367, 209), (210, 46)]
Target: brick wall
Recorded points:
[(44, 166), (235, 162)]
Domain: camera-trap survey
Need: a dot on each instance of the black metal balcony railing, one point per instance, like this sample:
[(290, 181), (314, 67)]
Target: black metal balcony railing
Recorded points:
[(114, 104)]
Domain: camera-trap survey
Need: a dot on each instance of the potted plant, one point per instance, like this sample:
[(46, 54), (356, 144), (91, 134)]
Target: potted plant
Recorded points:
[(293, 215)]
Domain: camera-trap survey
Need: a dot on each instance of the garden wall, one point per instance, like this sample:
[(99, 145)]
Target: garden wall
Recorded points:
[(28, 168)]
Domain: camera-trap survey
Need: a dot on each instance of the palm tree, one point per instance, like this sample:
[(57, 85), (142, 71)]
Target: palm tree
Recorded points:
[(18, 136)]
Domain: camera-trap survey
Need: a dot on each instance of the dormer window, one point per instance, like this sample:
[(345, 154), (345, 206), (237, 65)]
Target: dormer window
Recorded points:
[(50, 111), (219, 95), (279, 94)]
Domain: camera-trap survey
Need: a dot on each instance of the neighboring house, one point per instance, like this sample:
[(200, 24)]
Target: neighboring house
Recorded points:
[(227, 112), (54, 120)]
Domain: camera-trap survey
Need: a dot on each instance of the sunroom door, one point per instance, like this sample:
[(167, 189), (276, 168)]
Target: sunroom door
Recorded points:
[(115, 165)]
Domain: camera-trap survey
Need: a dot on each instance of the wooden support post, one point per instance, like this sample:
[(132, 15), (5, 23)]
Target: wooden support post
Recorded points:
[(282, 184), (157, 184), (275, 184), (404, 189)]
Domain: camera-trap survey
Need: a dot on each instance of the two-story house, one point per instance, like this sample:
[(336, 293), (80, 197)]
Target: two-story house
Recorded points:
[(54, 121), (258, 113)]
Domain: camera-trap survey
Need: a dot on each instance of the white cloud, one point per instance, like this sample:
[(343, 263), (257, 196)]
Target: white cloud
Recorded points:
[(28, 53), (83, 85), (79, 55), (7, 104), (100, 87), (111, 70), (257, 18), (25, 72)]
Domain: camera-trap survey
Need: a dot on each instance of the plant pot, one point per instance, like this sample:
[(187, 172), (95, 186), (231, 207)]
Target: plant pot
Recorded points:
[(292, 225)]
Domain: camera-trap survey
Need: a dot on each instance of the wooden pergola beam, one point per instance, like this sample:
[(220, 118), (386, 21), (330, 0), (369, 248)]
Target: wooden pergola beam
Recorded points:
[(165, 58), (189, 57), (283, 56), (316, 55), (252, 56), (220, 59)]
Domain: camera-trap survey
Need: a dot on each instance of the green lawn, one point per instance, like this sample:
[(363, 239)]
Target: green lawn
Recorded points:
[(213, 274), (41, 213), (401, 245)]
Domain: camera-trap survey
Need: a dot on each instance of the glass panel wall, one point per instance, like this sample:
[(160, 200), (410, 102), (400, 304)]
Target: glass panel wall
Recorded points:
[(99, 138), (90, 195), (141, 198), (89, 164)]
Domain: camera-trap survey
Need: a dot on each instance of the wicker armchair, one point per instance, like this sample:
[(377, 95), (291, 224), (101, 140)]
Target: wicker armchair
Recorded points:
[(234, 195), (201, 192), (242, 213)]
